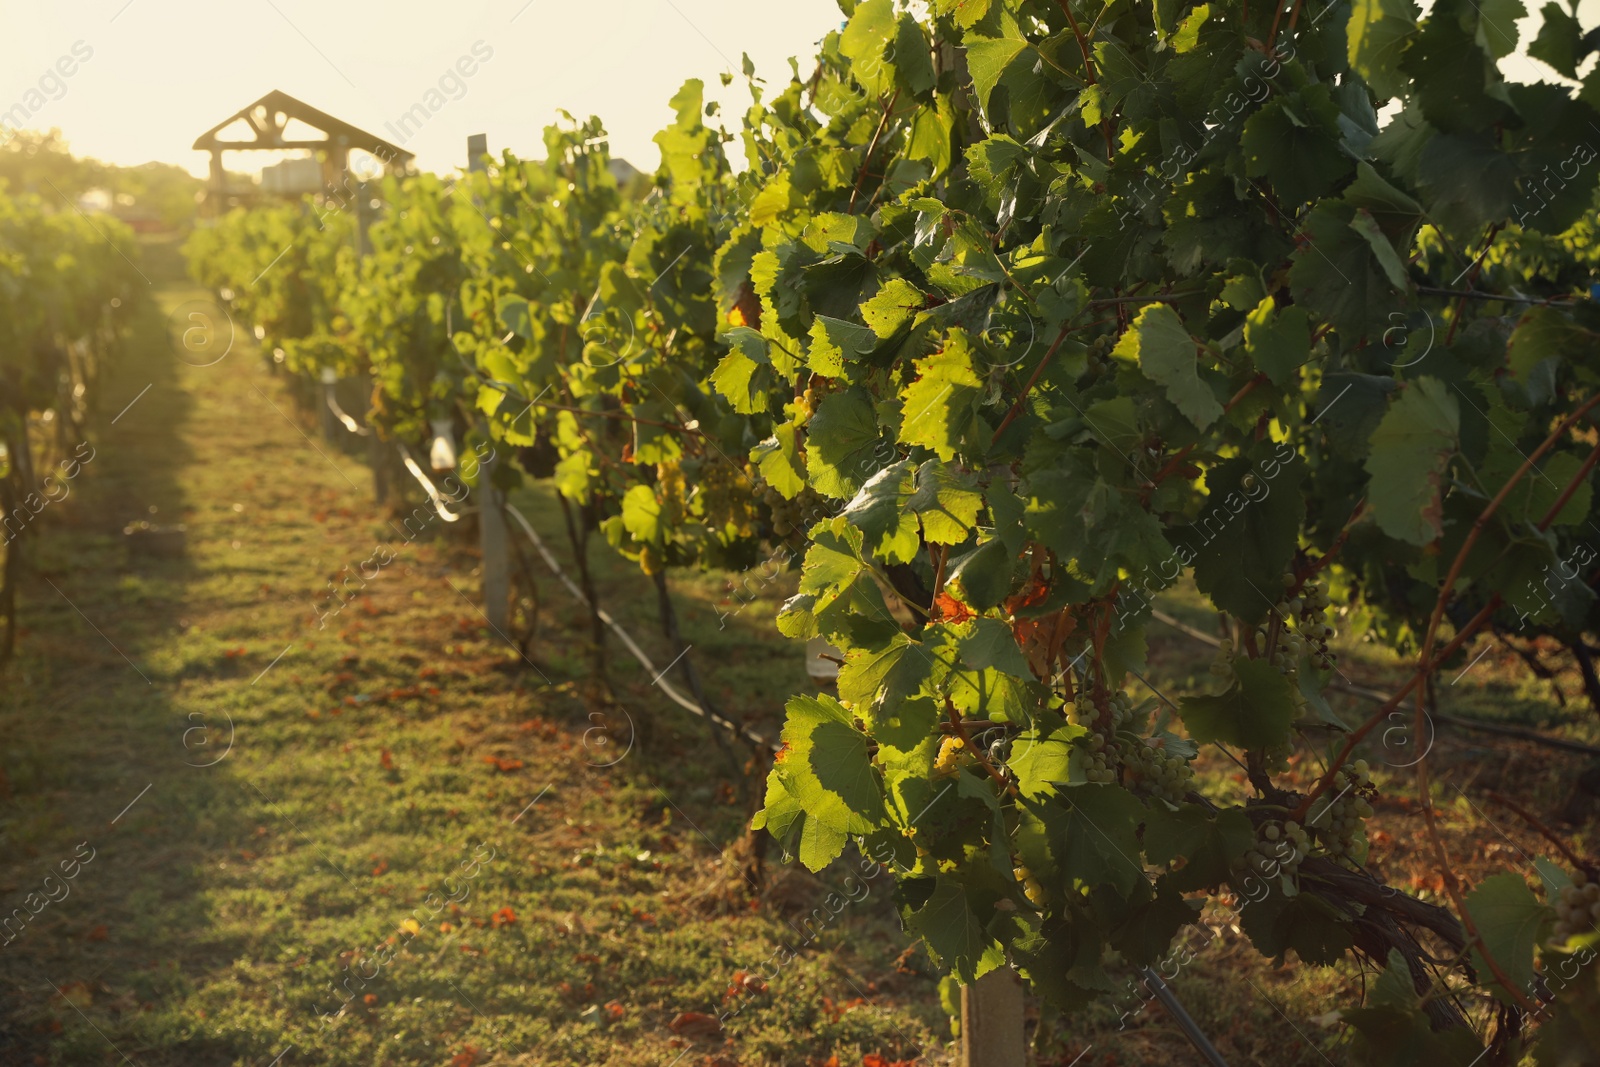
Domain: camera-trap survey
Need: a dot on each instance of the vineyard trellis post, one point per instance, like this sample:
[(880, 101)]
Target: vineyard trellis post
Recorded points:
[(326, 419), (992, 1033), (378, 456), (491, 501)]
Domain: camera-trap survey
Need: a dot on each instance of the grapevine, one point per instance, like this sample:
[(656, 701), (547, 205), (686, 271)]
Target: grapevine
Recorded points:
[(1015, 314)]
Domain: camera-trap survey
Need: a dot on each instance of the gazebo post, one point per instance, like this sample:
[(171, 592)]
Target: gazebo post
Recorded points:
[(219, 185)]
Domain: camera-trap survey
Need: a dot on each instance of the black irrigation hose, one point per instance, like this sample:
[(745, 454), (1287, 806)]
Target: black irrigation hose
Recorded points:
[(1181, 1016)]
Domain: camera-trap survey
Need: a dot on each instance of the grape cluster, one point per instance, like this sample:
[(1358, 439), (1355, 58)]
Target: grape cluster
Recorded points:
[(1307, 612), (722, 498), (1278, 850), (792, 516), (1105, 752), (806, 405), (953, 755), (1030, 885), (1165, 774), (1275, 758), (1343, 817), (1222, 662), (670, 488), (1577, 908)]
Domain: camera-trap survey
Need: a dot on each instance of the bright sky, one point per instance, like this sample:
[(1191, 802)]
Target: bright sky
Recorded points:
[(160, 72), (164, 71)]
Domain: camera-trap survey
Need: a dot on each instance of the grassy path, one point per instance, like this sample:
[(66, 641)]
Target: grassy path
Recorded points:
[(379, 840)]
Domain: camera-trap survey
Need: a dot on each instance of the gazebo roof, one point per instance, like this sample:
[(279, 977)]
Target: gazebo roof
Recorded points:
[(268, 117)]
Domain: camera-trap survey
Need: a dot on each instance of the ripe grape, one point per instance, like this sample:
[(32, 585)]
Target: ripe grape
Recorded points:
[(1577, 908), (1030, 885), (1339, 822), (951, 756), (1165, 774)]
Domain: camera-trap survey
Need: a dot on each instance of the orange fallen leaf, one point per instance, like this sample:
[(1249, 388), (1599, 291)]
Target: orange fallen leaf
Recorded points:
[(695, 1024)]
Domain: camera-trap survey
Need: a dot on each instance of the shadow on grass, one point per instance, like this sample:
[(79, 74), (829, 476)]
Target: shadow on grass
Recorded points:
[(99, 762)]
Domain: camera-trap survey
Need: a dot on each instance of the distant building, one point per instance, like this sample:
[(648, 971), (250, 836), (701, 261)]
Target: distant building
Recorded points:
[(623, 171), (292, 177)]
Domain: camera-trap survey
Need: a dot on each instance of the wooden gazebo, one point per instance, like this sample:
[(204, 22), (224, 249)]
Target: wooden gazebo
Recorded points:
[(266, 121)]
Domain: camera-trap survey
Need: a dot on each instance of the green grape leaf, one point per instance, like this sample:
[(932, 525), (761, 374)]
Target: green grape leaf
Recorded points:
[(1559, 42), (987, 60), (515, 315), (885, 675), (946, 502), (1209, 844), (1039, 760), (1278, 341), (641, 515), (1146, 931), (946, 923), (1411, 448), (1255, 712), (745, 374), (835, 343), (1546, 334), (1167, 355), (1508, 917), (778, 460), (1336, 276), (892, 307), (1367, 227), (833, 562), (989, 644), (782, 815), (1378, 35), (984, 574), (941, 405), (879, 511), (1187, 37), (1303, 922), (827, 766), (797, 619), (1497, 25), (911, 56), (1349, 408), (865, 41), (1097, 839), (1247, 530), (1292, 142), (1532, 497), (842, 443)]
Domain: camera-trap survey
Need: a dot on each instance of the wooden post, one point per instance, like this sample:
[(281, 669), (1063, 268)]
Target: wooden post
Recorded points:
[(492, 542), (491, 501), (991, 1021), (377, 454), (331, 430), (217, 199), (378, 457)]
